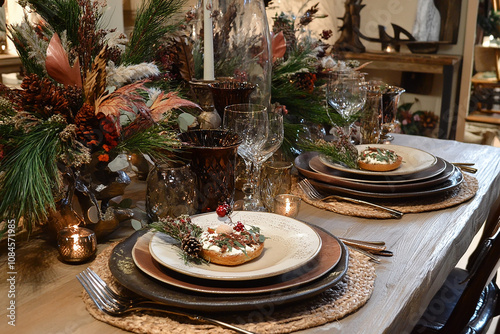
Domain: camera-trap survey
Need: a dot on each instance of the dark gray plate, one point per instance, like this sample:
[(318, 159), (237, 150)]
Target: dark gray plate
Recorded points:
[(303, 161), (319, 172), (452, 182), (134, 279)]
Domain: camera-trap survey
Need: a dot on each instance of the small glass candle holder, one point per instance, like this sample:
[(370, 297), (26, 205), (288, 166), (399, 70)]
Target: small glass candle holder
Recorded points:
[(287, 205), (76, 244)]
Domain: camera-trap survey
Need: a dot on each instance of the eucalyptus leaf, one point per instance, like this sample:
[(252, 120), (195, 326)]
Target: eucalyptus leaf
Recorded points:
[(185, 120), (119, 163), (136, 224)]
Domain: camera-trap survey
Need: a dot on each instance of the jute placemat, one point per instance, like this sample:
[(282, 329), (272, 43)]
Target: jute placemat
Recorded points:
[(459, 195), (333, 304)]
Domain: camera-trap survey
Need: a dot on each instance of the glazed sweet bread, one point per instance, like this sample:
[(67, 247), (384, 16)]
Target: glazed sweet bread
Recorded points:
[(231, 246), (379, 160), (230, 259)]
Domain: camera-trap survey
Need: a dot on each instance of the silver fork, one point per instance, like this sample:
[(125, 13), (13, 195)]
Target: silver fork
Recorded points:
[(312, 193), (113, 304)]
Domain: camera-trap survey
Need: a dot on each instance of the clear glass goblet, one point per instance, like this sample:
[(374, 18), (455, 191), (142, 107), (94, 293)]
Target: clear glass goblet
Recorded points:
[(274, 139), (346, 93), (249, 121)]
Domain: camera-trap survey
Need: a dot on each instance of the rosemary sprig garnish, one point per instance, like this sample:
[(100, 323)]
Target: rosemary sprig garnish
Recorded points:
[(177, 228), (382, 155), (180, 228), (339, 151)]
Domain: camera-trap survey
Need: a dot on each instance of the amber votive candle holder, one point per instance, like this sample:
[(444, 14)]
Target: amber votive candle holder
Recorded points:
[(76, 244), (287, 205)]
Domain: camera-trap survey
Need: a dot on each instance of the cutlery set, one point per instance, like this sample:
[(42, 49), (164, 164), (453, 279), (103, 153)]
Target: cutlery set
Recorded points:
[(114, 304), (466, 166)]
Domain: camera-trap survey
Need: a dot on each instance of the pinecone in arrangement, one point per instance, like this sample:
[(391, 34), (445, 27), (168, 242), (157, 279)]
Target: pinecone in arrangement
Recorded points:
[(87, 126), (191, 246), (305, 81), (283, 23), (41, 96)]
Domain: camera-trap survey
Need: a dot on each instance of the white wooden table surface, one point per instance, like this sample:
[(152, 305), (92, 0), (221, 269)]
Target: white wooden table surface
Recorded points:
[(426, 247)]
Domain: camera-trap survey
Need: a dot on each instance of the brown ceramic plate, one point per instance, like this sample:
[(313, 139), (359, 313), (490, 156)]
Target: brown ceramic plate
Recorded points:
[(303, 160), (325, 261), (132, 278), (443, 169), (413, 161), (452, 182)]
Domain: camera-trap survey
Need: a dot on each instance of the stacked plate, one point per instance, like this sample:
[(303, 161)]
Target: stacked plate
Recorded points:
[(298, 262), (420, 174)]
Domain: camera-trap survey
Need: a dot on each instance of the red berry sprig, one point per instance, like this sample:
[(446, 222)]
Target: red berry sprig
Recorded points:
[(239, 227)]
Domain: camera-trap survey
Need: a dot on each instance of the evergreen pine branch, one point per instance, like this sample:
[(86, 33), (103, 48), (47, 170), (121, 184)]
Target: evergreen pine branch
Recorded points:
[(152, 142), (298, 61), (149, 28), (61, 15), (30, 64), (31, 175)]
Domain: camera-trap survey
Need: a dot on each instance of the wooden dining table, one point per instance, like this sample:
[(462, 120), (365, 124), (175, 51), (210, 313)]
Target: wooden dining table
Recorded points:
[(426, 247)]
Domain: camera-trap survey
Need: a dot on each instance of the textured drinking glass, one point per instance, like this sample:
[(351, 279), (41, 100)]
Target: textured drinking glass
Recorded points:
[(170, 191), (390, 101), (213, 159), (275, 179), (370, 116)]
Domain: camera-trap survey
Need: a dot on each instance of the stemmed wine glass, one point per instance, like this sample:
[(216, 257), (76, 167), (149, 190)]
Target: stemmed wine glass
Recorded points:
[(274, 139), (346, 93), (249, 121)]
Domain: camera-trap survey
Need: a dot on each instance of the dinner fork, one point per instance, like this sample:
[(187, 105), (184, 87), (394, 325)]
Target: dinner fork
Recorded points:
[(113, 304), (312, 193)]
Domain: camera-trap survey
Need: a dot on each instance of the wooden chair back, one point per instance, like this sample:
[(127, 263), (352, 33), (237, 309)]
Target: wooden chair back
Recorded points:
[(483, 266)]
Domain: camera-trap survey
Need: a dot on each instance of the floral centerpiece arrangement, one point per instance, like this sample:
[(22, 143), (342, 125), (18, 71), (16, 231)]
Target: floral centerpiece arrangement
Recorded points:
[(420, 122), (299, 77), (89, 93)]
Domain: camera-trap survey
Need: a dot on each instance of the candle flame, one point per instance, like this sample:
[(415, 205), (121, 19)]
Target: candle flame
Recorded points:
[(76, 241), (287, 205)]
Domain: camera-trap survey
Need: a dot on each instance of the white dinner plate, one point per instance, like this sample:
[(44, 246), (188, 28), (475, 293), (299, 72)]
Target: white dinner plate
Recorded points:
[(290, 245), (414, 160)]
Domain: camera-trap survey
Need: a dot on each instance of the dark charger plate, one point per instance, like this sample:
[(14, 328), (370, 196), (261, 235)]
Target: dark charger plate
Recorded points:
[(135, 280), (451, 183), (435, 175)]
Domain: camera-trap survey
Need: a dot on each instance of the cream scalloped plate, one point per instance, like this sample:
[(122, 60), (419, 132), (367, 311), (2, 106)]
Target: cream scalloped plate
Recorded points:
[(414, 160), (290, 245)]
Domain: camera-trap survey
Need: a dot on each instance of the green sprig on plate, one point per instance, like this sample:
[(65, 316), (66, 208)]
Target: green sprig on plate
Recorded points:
[(184, 231), (341, 151)]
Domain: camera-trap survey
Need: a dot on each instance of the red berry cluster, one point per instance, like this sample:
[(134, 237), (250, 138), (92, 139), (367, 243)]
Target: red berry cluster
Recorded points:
[(239, 227), (223, 210)]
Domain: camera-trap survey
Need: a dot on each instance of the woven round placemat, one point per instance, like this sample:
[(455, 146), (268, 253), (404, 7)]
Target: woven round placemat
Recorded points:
[(459, 195), (333, 304)]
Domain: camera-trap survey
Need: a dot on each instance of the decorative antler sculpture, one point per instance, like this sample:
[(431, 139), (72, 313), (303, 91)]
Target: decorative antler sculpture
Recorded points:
[(349, 37)]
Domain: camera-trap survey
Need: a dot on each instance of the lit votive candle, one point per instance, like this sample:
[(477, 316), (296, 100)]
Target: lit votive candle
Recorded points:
[(76, 244), (287, 205)]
